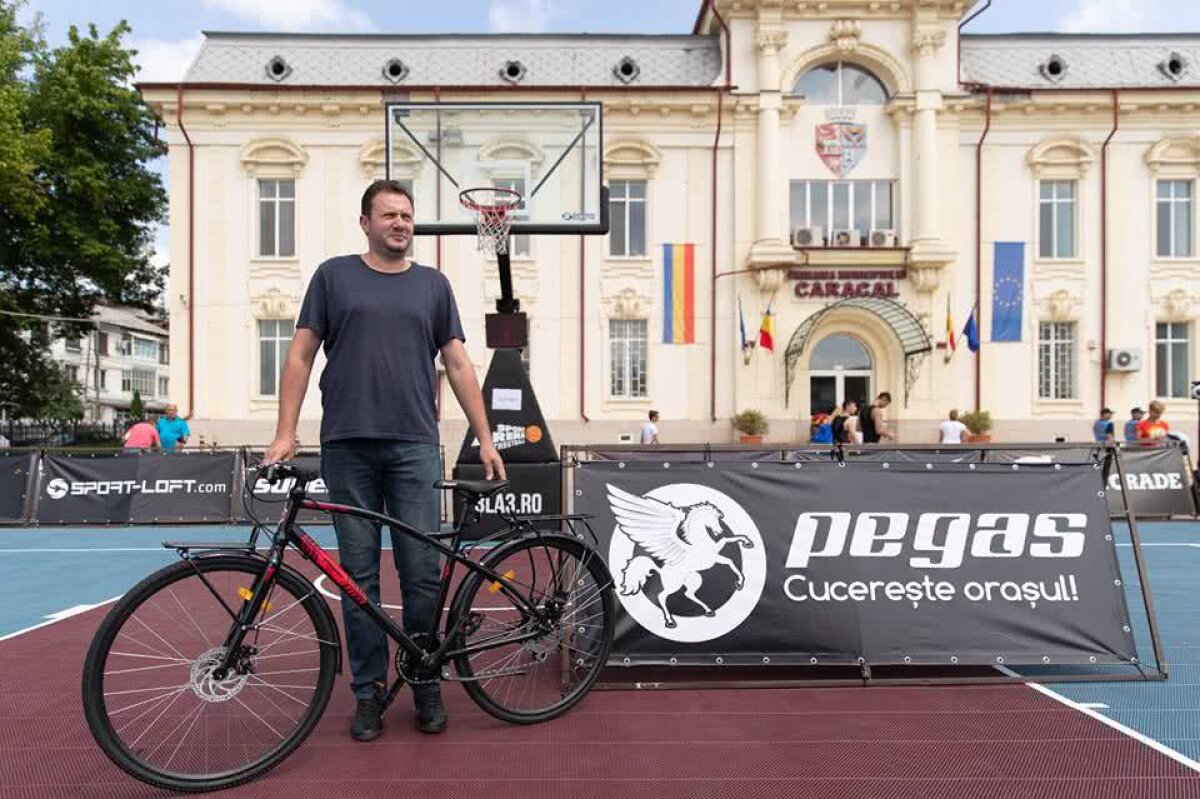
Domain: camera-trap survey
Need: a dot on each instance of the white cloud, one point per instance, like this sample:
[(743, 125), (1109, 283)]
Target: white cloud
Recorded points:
[(162, 61), (521, 16), (1109, 16), (298, 15)]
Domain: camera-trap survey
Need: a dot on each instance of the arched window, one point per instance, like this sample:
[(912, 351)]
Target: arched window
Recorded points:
[(839, 351), (841, 83)]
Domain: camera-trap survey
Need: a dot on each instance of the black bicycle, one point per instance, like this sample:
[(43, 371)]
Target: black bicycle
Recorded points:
[(213, 670)]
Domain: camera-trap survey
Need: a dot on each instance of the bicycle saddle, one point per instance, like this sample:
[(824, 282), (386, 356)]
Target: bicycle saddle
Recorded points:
[(482, 488)]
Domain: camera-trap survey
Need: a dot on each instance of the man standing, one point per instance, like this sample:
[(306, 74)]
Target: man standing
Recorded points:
[(952, 430), (171, 429), (1135, 416), (874, 427), (1153, 428), (1103, 429), (382, 319), (650, 430)]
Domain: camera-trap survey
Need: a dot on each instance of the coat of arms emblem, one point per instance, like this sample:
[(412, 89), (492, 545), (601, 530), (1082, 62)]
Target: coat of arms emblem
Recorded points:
[(841, 144)]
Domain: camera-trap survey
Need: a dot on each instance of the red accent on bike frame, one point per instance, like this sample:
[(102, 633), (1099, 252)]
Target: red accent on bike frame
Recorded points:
[(312, 504), (331, 567)]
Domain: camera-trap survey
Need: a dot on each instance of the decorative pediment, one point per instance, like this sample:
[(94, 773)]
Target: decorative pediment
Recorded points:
[(406, 160), (1061, 306), (1062, 157), (273, 156), (1176, 306), (274, 304), (845, 34), (1175, 153), (633, 154), (513, 150), (627, 304)]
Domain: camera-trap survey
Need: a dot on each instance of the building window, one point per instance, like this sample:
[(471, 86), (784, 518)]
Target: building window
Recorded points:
[(103, 377), (102, 343), (1056, 360), (139, 380), (72, 373), (146, 349), (73, 345), (627, 339), (839, 83), (1173, 218), (274, 335), (277, 218), (861, 205), (627, 214), (164, 353), (163, 387), (1056, 219), (518, 245), (1172, 372)]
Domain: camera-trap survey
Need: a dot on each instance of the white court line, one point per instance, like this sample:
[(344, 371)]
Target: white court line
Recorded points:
[(54, 618), (1094, 705), (1087, 710)]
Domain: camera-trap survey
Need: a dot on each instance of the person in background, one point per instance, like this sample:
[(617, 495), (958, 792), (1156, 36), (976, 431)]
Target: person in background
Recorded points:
[(851, 432), (822, 430), (1135, 416), (650, 430), (841, 420), (142, 435), (171, 429), (874, 428), (952, 430), (1153, 428), (1103, 429)]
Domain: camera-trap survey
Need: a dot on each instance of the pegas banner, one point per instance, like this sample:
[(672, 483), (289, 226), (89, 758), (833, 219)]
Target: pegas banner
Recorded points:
[(14, 485), (889, 562), (1157, 482), (126, 488)]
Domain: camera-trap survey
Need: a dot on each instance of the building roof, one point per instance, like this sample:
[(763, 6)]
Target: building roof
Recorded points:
[(455, 59), (129, 318), (1098, 61)]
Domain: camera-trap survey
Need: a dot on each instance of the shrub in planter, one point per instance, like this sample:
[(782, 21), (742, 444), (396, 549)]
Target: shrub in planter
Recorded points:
[(752, 425)]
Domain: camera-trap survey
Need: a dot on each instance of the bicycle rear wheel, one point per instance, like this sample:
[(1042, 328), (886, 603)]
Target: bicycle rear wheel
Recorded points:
[(149, 694), (536, 665)]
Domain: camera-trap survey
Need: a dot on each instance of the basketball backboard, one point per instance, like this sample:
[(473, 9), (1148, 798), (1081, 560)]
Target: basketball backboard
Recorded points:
[(551, 153)]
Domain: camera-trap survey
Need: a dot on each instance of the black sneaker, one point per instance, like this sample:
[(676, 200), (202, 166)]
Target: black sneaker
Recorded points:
[(368, 719), (431, 713)]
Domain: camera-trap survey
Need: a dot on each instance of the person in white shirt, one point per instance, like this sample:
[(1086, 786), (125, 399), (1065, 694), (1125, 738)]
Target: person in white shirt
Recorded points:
[(650, 430), (952, 429)]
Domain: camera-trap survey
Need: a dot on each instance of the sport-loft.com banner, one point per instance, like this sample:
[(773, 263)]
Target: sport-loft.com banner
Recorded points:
[(890, 562)]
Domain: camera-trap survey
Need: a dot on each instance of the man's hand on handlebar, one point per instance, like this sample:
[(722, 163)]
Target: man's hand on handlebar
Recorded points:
[(283, 448)]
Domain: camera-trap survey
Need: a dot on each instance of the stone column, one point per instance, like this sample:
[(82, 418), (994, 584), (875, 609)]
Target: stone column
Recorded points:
[(929, 255), (772, 246)]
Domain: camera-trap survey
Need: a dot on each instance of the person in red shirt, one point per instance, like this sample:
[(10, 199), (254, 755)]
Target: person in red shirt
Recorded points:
[(1153, 427), (142, 435)]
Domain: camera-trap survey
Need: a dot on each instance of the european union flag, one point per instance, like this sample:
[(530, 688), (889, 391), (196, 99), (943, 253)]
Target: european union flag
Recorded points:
[(1008, 290)]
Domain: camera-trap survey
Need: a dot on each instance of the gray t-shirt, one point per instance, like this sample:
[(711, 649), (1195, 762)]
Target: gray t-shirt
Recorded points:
[(381, 333)]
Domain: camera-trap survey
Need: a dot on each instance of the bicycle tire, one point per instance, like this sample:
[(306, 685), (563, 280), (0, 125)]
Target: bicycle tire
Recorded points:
[(520, 554), (242, 569)]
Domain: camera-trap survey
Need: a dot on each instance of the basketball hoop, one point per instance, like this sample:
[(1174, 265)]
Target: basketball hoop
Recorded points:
[(492, 208)]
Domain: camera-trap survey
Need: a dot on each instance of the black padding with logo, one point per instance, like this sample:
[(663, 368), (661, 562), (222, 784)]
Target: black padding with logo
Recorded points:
[(518, 427)]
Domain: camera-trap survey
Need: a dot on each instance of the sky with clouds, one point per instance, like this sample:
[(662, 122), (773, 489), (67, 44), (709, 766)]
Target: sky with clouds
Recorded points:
[(167, 33)]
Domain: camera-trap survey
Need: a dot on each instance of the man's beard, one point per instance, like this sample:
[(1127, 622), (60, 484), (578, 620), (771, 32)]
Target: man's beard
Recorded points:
[(395, 250)]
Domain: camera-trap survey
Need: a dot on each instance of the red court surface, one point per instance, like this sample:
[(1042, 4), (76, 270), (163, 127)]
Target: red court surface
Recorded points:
[(977, 741)]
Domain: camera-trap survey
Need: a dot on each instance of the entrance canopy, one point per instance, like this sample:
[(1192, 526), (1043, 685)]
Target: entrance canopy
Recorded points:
[(914, 341)]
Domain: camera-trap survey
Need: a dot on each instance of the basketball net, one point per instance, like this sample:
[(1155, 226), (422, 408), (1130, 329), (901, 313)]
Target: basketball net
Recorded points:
[(492, 209)]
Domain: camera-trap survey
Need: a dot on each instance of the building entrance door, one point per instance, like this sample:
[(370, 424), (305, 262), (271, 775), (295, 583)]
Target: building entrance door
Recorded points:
[(840, 369)]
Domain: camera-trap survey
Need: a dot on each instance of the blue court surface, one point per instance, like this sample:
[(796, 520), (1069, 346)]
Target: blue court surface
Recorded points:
[(51, 574)]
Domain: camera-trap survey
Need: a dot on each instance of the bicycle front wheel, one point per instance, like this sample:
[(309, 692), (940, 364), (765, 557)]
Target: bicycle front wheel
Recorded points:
[(149, 693), (529, 664)]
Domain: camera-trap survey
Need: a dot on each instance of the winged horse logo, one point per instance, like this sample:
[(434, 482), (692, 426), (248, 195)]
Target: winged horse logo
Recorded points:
[(680, 542)]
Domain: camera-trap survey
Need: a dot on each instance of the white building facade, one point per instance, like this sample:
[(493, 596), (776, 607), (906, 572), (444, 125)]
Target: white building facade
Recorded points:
[(126, 351), (859, 168)]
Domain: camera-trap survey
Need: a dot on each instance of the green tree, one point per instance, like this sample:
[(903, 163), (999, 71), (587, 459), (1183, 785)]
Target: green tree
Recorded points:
[(78, 203), (137, 413)]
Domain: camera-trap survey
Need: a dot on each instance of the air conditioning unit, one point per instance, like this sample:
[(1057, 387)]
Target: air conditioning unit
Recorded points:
[(1127, 360), (882, 238), (808, 237), (845, 238)]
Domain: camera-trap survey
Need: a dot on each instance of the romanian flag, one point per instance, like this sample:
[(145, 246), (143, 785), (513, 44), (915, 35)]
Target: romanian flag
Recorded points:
[(679, 293), (951, 344), (766, 331)]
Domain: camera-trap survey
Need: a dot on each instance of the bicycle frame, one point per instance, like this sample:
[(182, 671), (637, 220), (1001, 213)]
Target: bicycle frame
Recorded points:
[(288, 534)]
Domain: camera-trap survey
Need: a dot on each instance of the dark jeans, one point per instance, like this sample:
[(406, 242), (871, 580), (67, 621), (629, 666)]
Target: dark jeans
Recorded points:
[(396, 478)]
